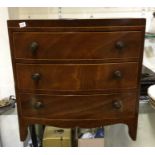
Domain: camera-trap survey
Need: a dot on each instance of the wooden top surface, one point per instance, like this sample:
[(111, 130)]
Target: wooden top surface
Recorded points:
[(78, 22)]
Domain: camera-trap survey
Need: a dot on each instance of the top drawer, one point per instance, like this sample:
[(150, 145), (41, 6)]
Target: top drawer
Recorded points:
[(77, 45)]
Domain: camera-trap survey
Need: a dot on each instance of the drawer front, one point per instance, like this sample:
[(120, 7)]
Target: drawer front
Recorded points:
[(76, 77), (77, 45), (78, 106)]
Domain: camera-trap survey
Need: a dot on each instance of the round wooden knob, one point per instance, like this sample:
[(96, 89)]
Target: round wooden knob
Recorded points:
[(117, 104), (37, 105), (120, 45), (36, 76), (118, 74), (34, 47)]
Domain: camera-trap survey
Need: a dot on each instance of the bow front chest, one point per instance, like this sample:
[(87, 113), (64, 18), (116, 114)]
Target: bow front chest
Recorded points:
[(77, 73)]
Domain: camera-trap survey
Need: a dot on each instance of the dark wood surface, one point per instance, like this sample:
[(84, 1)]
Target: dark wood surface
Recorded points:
[(99, 106), (77, 45), (78, 22), (76, 61), (76, 77)]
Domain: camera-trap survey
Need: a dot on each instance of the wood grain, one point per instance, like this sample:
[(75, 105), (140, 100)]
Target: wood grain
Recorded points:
[(77, 60), (78, 106), (77, 45), (70, 77)]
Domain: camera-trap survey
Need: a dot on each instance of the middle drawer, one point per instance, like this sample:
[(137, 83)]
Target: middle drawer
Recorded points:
[(76, 77)]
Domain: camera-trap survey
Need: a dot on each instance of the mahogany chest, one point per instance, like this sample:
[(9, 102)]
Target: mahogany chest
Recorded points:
[(77, 73)]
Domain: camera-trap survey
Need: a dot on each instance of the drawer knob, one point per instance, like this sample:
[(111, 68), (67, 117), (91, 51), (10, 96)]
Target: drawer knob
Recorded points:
[(36, 76), (117, 104), (118, 74), (120, 45), (34, 47), (37, 105)]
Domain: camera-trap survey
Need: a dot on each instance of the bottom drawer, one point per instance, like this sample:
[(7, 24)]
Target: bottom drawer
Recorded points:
[(97, 106)]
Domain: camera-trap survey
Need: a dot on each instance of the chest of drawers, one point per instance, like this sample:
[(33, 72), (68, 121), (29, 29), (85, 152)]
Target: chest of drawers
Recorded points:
[(77, 73)]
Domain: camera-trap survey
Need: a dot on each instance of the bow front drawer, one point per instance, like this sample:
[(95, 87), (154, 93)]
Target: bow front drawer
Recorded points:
[(76, 77), (77, 45), (100, 106)]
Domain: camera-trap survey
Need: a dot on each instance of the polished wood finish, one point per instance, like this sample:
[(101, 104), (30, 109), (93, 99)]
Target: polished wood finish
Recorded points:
[(77, 73), (76, 77), (97, 106), (77, 45), (86, 23)]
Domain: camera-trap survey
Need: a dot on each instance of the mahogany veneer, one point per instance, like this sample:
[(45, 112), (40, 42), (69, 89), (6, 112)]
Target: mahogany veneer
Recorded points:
[(77, 73)]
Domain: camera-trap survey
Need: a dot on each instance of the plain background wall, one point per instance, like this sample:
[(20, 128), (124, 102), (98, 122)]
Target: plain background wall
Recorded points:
[(6, 74)]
